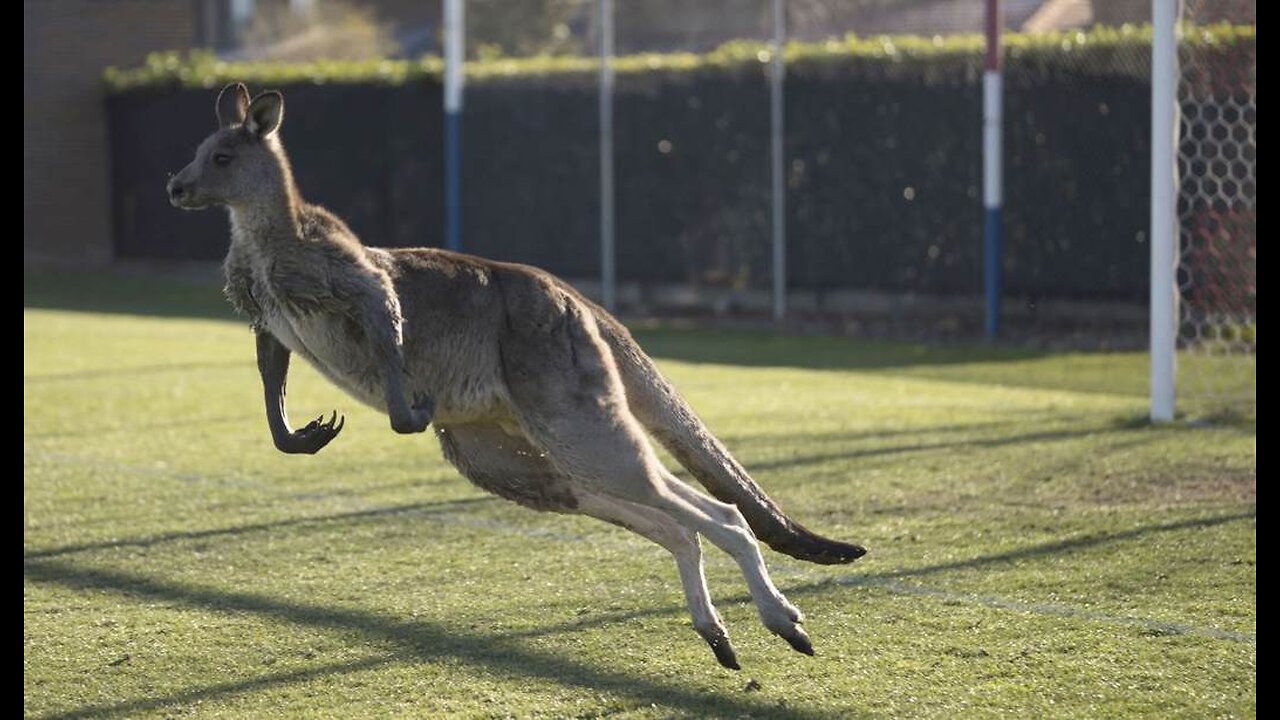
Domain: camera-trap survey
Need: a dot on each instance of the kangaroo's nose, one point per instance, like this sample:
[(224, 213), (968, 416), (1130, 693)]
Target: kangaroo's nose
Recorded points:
[(176, 190)]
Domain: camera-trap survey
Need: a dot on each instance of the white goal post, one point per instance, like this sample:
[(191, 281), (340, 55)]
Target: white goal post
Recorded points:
[(1164, 213), (1203, 210)]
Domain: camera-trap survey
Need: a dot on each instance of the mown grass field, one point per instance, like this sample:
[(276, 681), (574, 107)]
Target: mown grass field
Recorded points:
[(1037, 550)]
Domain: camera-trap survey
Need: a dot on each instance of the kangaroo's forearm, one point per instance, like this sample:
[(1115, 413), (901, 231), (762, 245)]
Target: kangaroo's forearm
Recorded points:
[(379, 313), (273, 366), (383, 324), (408, 415), (383, 329), (393, 387)]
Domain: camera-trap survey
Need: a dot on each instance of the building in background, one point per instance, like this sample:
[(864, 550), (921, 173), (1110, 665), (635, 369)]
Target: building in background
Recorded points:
[(66, 44)]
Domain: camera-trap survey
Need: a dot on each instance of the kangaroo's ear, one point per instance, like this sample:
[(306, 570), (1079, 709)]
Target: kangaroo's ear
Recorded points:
[(266, 112), (232, 105)]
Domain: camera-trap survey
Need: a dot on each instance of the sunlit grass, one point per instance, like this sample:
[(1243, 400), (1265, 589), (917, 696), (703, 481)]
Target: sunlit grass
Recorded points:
[(1036, 548)]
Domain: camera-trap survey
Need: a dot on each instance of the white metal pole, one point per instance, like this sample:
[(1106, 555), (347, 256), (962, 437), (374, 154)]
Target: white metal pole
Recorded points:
[(779, 160), (455, 28), (1164, 193), (608, 261)]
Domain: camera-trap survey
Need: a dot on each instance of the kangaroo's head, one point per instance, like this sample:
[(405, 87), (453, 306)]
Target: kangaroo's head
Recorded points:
[(242, 161)]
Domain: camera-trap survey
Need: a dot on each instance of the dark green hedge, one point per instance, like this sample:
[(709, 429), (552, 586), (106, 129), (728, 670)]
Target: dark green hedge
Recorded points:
[(883, 140), (1105, 50)]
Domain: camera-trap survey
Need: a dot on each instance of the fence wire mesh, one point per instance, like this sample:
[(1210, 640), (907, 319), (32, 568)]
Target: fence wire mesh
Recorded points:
[(1217, 211), (884, 217)]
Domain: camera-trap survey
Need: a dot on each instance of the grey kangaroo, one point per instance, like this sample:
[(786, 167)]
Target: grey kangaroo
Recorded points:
[(537, 394)]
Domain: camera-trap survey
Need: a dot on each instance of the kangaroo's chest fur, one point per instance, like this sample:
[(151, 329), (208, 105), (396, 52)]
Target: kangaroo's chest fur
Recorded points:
[(294, 301)]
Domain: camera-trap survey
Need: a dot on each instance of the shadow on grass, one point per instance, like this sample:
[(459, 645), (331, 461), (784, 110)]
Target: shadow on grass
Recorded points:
[(1045, 436), (985, 365), (439, 507), (225, 689), (872, 579), (1134, 432), (1127, 432), (789, 437), (422, 508), (414, 641), (1056, 547), (133, 292)]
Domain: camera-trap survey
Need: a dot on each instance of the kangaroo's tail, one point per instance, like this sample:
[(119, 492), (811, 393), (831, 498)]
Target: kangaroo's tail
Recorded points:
[(657, 405)]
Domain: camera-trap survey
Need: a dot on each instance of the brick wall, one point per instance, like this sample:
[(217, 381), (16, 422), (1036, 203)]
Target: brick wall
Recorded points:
[(66, 44)]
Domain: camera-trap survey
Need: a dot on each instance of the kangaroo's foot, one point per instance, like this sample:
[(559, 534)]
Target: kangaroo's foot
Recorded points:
[(308, 439), (718, 639), (788, 628)]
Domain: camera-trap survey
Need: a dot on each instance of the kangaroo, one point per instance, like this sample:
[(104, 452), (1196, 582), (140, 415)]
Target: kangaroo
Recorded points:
[(537, 394)]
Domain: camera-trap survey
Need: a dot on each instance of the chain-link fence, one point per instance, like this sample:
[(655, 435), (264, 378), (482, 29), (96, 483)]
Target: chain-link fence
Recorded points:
[(883, 175), (691, 153), (1217, 211), (1077, 167), (884, 217)]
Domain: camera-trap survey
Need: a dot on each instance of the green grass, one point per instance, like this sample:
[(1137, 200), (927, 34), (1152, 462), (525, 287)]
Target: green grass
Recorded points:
[(1036, 549)]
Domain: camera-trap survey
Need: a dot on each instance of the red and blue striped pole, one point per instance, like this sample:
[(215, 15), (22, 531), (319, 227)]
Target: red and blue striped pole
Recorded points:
[(992, 168), (454, 55)]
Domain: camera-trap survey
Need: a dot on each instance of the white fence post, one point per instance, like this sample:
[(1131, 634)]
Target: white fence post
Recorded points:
[(608, 258), (778, 160), (1164, 197)]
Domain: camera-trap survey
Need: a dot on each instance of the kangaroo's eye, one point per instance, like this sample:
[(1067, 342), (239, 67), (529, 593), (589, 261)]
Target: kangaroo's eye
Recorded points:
[(221, 159)]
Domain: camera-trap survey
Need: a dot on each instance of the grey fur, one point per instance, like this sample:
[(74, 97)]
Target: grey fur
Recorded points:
[(537, 394), (232, 105)]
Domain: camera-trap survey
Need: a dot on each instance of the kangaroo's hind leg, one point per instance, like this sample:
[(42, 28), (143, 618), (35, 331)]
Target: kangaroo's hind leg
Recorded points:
[(682, 543), (510, 466), (566, 393), (725, 526)]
